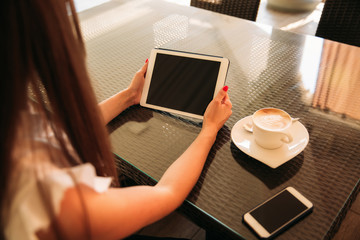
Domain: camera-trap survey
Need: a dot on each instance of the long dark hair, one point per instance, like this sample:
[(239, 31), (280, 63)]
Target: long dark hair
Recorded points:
[(42, 50)]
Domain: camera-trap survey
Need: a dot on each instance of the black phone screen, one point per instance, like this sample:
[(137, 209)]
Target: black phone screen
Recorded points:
[(278, 211), (183, 83)]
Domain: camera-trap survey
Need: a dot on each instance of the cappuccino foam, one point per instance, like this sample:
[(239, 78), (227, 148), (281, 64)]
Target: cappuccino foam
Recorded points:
[(272, 119)]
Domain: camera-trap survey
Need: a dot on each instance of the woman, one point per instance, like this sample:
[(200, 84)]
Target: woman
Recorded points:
[(54, 136)]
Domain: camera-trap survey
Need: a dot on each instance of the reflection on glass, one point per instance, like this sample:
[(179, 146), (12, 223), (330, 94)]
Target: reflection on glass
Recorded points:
[(339, 80), (84, 5), (172, 28), (310, 60), (105, 19)]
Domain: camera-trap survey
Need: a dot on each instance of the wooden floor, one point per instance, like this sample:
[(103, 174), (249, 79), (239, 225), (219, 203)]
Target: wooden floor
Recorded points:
[(350, 227), (176, 225)]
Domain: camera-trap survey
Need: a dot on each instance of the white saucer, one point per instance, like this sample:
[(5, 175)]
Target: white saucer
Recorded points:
[(244, 140)]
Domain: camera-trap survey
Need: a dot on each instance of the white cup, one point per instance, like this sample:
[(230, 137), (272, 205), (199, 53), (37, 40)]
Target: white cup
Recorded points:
[(271, 127)]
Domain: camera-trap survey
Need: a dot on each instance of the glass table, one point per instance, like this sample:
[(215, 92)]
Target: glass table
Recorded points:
[(309, 77)]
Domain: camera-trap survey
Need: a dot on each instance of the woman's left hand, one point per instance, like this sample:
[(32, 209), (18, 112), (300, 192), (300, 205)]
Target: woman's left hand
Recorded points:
[(137, 84), (114, 105)]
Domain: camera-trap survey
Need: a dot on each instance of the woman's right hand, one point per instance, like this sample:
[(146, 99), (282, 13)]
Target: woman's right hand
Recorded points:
[(218, 111)]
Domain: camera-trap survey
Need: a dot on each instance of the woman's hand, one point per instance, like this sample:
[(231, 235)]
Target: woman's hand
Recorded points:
[(137, 84), (218, 111), (114, 105)]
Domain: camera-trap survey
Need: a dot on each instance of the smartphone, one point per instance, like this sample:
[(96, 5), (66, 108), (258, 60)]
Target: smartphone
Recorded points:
[(277, 213)]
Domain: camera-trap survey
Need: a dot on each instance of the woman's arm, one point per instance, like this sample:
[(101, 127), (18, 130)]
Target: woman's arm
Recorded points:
[(114, 105), (120, 212)]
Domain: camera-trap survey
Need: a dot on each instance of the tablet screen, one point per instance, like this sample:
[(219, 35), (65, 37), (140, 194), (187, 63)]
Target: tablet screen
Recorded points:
[(183, 83)]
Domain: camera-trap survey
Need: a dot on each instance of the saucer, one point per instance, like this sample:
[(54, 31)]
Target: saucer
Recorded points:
[(245, 141)]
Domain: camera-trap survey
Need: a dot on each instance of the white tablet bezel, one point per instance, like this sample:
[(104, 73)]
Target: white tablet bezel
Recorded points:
[(224, 64)]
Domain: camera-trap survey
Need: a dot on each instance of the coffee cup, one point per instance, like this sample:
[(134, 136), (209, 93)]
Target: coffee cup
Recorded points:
[(271, 127)]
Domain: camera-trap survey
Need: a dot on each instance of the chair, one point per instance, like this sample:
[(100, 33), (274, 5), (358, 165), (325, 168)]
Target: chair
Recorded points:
[(340, 21), (246, 9)]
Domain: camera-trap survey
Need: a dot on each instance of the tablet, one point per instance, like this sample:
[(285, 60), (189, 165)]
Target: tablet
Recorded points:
[(181, 82)]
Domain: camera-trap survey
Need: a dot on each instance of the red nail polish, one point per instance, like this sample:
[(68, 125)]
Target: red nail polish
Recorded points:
[(146, 60), (225, 88)]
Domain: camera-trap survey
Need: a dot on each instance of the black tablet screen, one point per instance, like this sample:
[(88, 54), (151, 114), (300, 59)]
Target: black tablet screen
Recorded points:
[(182, 83)]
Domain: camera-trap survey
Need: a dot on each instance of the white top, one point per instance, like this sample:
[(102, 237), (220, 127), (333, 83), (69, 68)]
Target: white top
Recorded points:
[(27, 213), (33, 156)]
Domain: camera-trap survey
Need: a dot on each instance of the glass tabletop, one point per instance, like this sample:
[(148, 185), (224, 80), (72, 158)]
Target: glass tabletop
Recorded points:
[(311, 78)]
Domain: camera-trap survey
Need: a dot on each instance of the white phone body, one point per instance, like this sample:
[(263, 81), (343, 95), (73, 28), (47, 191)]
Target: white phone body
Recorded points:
[(261, 226), (179, 87)]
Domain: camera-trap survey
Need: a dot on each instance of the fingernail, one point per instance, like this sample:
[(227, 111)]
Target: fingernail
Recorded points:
[(225, 88), (146, 60)]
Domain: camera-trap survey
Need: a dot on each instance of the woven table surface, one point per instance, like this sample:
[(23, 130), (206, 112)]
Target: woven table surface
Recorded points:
[(268, 67)]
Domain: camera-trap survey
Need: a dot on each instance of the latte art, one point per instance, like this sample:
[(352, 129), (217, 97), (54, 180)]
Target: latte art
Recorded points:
[(272, 119), (271, 128)]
